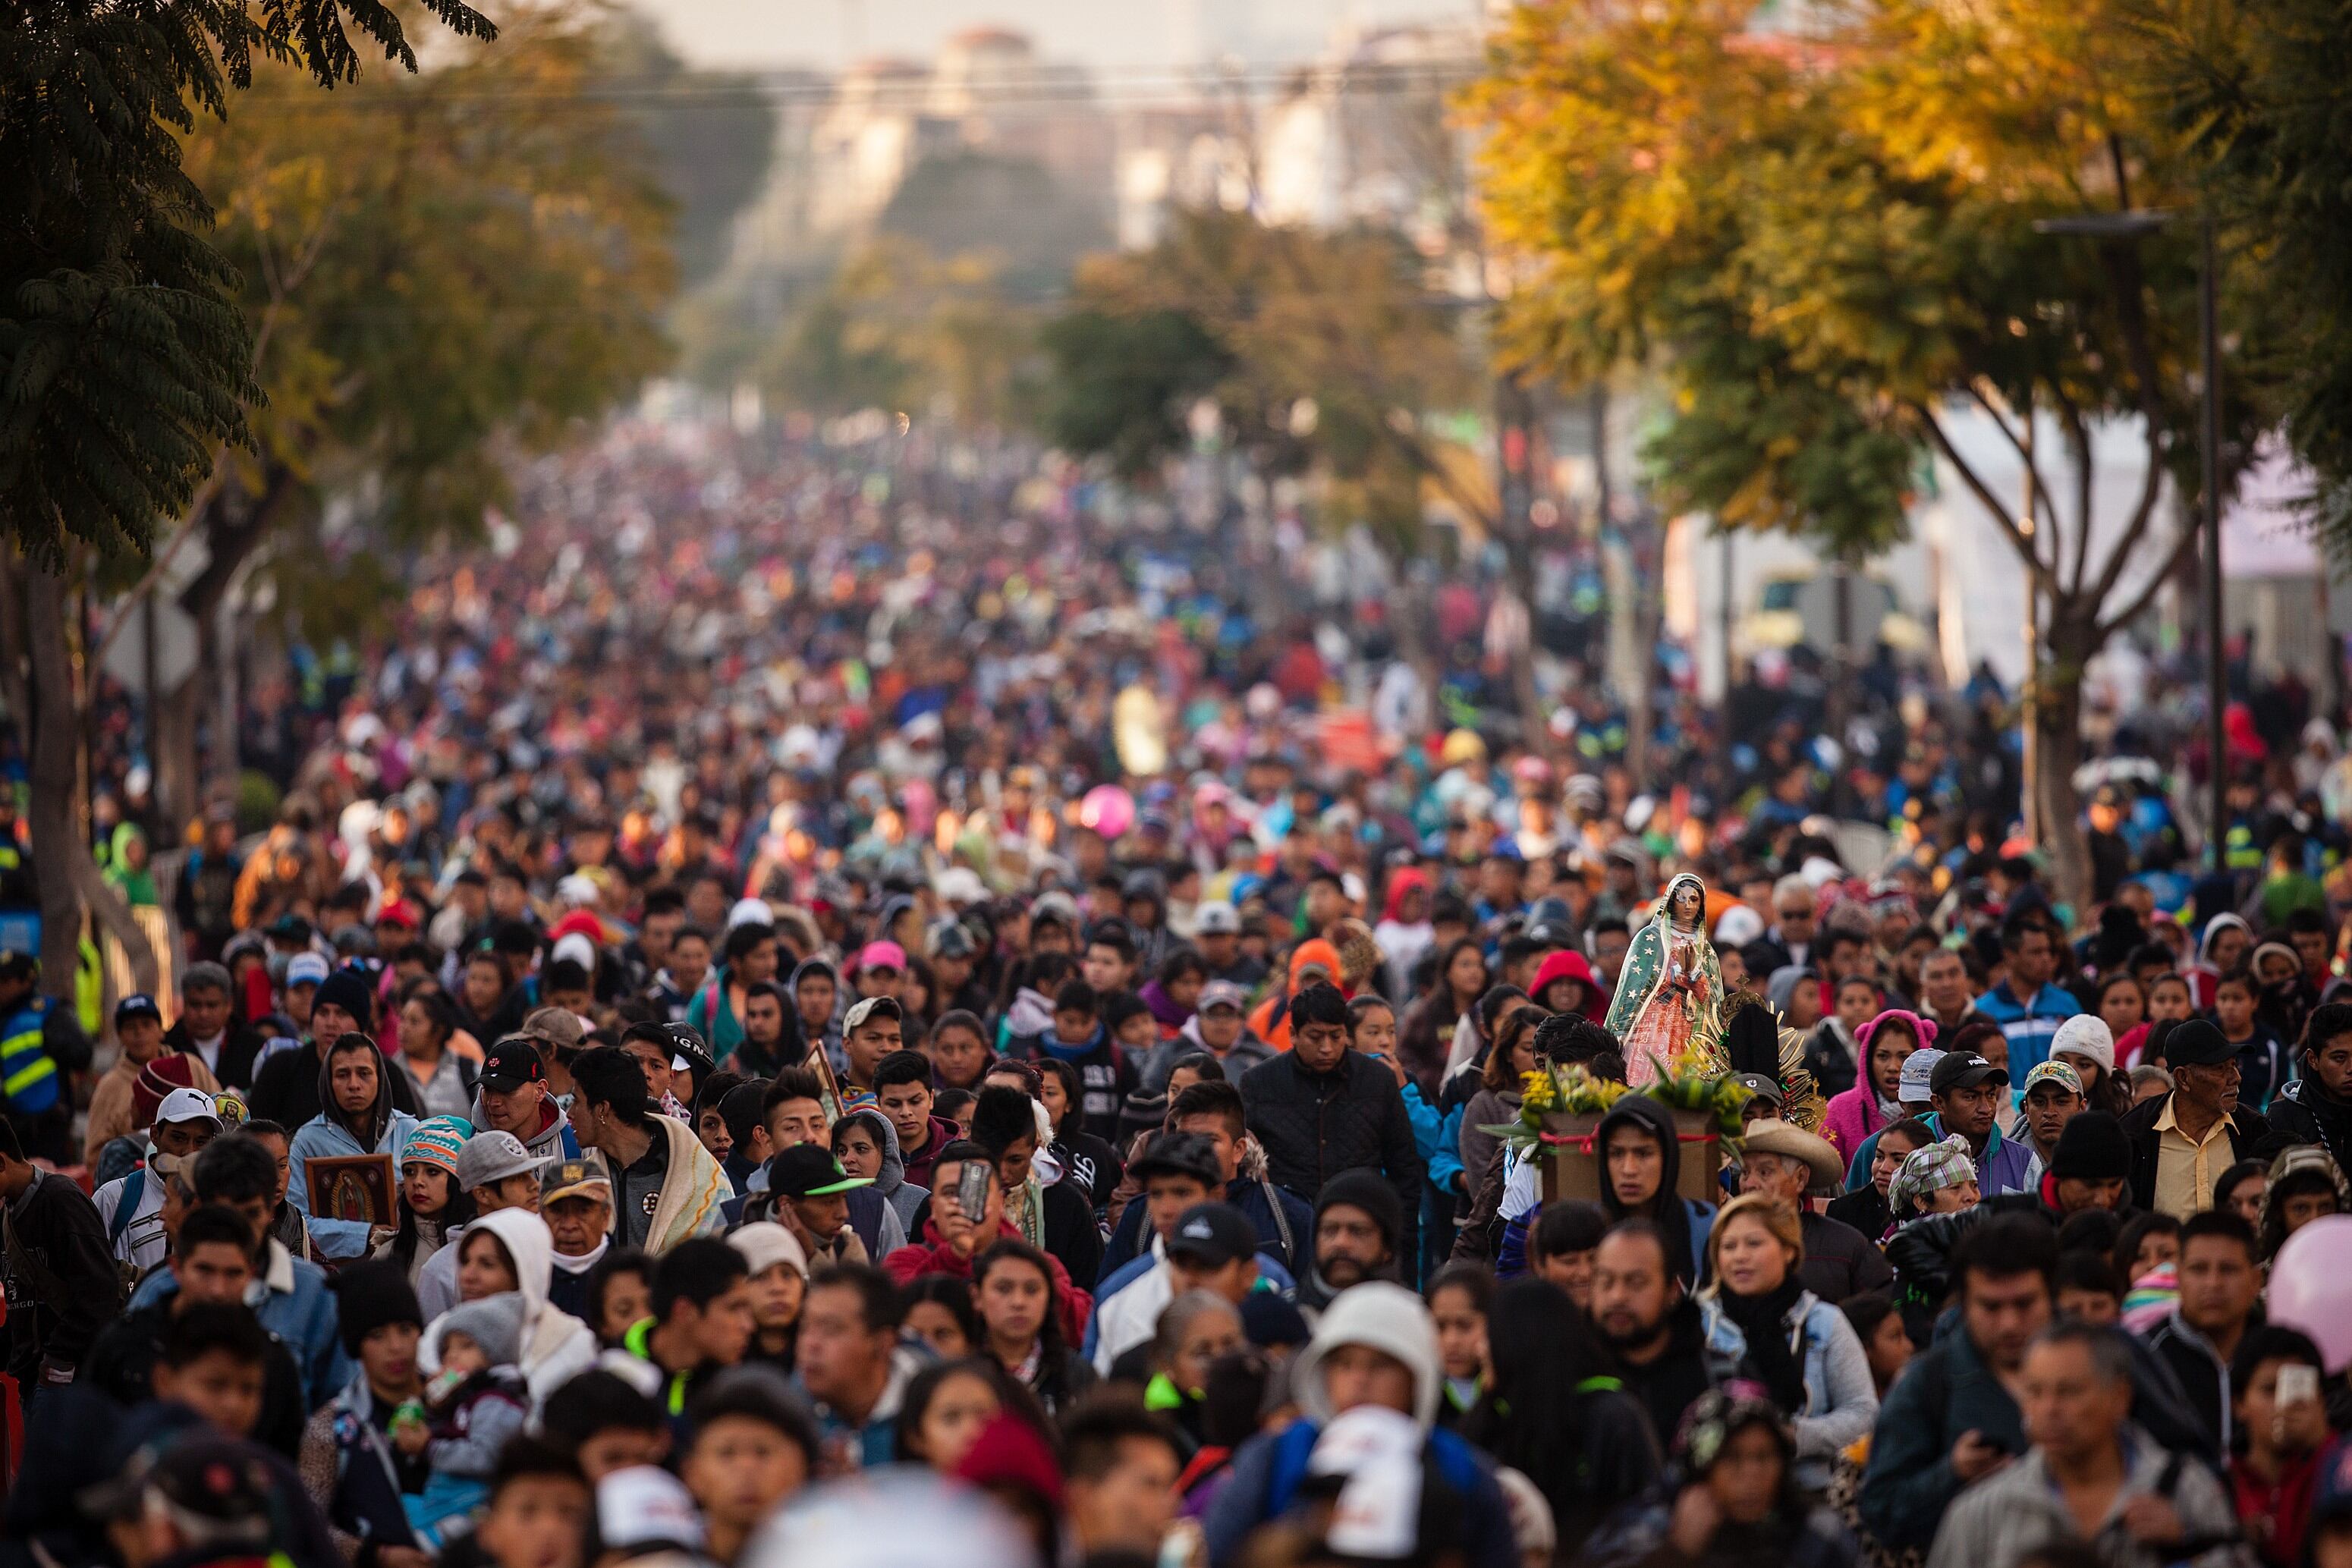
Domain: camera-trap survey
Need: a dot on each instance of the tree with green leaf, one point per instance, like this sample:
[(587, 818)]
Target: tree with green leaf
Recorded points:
[(443, 272), (124, 362), (1824, 244)]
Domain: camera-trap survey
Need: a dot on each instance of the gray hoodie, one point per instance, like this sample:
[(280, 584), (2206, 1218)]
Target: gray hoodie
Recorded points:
[(892, 1185)]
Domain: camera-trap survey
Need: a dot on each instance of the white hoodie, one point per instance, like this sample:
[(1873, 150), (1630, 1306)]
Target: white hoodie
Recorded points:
[(1387, 1318), (556, 1346)]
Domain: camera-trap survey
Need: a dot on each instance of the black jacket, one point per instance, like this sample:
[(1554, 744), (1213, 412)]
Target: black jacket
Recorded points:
[(2248, 1134), (2306, 1113), (236, 1053), (62, 1288), (2204, 1376), (1865, 1210), (1840, 1261), (121, 1365), (1668, 1385), (1313, 1125)]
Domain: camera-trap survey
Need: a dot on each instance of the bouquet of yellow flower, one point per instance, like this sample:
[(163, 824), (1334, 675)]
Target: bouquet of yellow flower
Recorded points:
[(1551, 1092)]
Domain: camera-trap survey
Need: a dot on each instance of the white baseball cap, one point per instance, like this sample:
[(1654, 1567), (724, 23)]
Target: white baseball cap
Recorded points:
[(187, 1105)]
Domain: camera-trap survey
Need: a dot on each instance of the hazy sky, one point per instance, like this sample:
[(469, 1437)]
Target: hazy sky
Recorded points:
[(1100, 33)]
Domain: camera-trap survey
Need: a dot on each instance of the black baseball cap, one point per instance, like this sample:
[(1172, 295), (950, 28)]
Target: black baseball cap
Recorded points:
[(511, 1064), (1179, 1153), (139, 1005), (807, 1170), (1212, 1233), (2197, 1042), (1960, 1070)]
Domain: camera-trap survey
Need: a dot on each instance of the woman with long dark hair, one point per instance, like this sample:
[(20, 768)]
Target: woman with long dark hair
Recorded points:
[(1426, 1034), (441, 1081), (1553, 1413), (1086, 1161), (431, 1203), (1501, 1081), (1021, 1323)]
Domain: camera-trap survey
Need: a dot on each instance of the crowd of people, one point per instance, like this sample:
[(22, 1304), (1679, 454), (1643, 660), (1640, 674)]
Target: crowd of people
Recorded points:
[(775, 1024)]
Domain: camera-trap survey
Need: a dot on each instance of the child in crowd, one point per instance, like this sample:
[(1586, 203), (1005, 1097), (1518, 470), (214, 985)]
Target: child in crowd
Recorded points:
[(468, 1411)]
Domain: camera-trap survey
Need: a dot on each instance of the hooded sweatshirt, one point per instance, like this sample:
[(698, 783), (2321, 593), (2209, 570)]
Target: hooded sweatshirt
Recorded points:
[(1685, 1220), (553, 1141), (1267, 1470), (556, 1346), (1402, 942), (332, 1132), (1271, 1019), (1569, 965), (2204, 975), (892, 1186)]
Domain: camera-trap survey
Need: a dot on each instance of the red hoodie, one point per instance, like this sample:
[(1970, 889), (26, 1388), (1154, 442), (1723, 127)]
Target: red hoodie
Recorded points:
[(933, 1255), (1567, 965)]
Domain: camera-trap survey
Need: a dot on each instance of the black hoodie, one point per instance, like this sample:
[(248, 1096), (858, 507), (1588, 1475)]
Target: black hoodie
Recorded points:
[(1685, 1222)]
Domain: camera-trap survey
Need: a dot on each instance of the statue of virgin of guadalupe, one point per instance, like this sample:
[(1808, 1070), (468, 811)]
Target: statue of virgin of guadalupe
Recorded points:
[(1670, 985)]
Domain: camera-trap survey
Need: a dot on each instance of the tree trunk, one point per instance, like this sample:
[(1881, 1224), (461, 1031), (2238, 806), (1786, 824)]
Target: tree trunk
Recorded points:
[(70, 878), (2058, 739)]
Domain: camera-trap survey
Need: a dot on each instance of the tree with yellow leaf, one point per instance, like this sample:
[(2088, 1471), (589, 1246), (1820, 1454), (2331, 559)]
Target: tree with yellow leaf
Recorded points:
[(1823, 240)]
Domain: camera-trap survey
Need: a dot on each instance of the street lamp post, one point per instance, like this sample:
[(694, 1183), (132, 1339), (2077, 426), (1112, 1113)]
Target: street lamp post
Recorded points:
[(2133, 226)]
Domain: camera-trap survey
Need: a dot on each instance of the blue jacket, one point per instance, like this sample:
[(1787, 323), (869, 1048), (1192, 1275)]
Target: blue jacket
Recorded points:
[(293, 1301), (2028, 1025), (1438, 1136), (323, 1138), (1269, 1469), (1257, 1201)]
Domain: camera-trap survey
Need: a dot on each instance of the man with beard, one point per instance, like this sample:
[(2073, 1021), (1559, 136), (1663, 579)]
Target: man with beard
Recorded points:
[(1355, 1225), (1650, 1325)]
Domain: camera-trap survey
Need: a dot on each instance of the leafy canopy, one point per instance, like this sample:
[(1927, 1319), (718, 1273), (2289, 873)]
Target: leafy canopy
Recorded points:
[(123, 360), (1824, 241)]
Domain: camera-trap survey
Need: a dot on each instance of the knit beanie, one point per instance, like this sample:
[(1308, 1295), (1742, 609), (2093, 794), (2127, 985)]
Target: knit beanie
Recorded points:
[(494, 1323), (1365, 1191), (437, 1141), (348, 990), (370, 1295), (157, 1080), (2092, 1147), (2086, 1035)]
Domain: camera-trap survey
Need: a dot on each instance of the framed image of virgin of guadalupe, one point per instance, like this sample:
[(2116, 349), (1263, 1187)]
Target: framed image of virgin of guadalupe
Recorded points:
[(352, 1187)]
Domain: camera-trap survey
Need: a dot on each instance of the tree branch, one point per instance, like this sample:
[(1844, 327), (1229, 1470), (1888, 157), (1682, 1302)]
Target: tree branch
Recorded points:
[(2025, 457), (2143, 512), (1983, 493), (2181, 549)]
